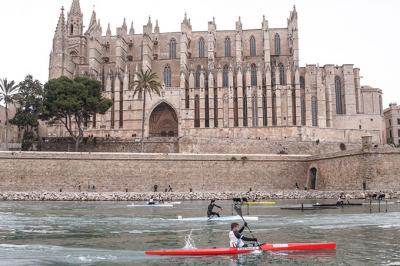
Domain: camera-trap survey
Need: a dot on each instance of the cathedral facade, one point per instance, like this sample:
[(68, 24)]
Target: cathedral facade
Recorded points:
[(239, 83)]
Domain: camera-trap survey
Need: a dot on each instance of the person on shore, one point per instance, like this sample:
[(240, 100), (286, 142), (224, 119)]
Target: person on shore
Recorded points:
[(236, 238), (169, 188), (210, 209)]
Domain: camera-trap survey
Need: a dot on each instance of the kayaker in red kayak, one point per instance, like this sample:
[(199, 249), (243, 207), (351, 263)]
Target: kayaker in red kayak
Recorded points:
[(236, 238), (210, 208)]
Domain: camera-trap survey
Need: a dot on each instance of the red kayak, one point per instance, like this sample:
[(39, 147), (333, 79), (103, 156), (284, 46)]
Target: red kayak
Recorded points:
[(233, 251)]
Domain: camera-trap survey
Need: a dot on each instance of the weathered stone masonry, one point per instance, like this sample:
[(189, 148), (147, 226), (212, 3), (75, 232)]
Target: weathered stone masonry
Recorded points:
[(41, 171)]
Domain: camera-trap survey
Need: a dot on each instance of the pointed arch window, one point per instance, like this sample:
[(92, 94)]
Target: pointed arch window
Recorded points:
[(167, 76), (338, 93), (314, 111), (303, 110), (277, 41), (254, 110), (252, 46), (197, 81), (201, 47), (196, 111), (172, 49), (227, 47), (282, 77), (253, 72), (225, 76)]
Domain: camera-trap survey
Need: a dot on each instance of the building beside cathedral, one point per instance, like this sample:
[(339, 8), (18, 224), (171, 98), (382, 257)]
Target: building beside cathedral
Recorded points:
[(235, 84)]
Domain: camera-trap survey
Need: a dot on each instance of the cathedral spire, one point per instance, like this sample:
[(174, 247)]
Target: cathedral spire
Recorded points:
[(124, 25), (75, 8), (131, 30), (156, 27), (61, 23), (75, 19), (108, 33), (92, 23), (239, 24)]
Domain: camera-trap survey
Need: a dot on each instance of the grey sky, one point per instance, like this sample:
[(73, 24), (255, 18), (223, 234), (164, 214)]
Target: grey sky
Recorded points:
[(360, 32)]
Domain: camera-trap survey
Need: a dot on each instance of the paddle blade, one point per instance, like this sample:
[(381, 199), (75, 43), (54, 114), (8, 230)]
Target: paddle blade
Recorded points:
[(238, 209)]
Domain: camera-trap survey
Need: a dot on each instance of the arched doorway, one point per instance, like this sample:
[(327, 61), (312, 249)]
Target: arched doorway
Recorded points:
[(313, 178), (163, 121)]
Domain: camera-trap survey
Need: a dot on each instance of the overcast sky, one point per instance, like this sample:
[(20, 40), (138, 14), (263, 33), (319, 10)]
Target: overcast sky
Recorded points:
[(360, 32)]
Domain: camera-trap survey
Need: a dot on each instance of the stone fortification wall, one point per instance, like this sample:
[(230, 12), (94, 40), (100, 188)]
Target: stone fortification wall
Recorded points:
[(50, 171), (376, 169)]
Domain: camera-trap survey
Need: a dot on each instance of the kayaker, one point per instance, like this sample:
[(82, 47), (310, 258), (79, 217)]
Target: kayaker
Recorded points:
[(236, 238), (340, 200), (210, 208), (151, 201)]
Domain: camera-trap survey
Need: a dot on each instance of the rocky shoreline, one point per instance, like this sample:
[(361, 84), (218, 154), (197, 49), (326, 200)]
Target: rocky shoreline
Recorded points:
[(144, 196)]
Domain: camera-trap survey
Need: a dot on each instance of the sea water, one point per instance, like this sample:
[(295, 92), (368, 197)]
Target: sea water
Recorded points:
[(110, 233)]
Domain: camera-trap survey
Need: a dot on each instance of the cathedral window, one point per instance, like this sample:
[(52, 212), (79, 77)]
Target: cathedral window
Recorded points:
[(253, 70), (196, 111), (167, 76), (277, 41), (302, 83), (197, 81), (227, 47), (314, 111), (303, 110), (72, 29), (252, 46), (225, 76), (254, 110), (338, 93), (172, 49), (201, 47), (282, 77), (187, 99)]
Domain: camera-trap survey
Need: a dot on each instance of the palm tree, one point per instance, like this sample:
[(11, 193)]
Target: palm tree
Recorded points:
[(7, 91), (145, 83)]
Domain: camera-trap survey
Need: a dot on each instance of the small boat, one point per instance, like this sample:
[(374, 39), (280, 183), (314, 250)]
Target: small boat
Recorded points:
[(259, 203), (157, 205), (215, 218), (334, 204), (230, 251), (308, 208)]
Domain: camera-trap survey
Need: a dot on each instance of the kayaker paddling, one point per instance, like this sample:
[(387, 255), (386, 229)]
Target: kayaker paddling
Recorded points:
[(210, 209), (151, 201), (236, 238)]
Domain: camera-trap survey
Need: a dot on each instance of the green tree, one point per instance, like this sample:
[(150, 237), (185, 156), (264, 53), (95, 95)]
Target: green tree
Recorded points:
[(7, 90), (145, 83), (72, 102), (29, 101)]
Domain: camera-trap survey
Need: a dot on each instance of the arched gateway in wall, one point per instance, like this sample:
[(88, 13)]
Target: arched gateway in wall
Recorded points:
[(163, 121)]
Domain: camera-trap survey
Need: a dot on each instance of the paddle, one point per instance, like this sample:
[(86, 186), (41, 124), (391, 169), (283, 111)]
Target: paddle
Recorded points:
[(238, 209)]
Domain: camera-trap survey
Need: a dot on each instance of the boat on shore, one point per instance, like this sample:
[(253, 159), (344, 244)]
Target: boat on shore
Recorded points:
[(309, 208), (334, 204), (259, 203), (215, 218), (244, 250)]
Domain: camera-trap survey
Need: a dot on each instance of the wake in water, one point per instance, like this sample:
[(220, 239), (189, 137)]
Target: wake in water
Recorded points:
[(189, 242)]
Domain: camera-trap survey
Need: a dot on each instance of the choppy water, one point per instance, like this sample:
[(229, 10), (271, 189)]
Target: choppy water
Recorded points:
[(110, 233)]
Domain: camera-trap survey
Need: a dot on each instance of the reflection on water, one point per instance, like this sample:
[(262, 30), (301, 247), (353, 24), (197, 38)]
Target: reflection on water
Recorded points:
[(110, 233)]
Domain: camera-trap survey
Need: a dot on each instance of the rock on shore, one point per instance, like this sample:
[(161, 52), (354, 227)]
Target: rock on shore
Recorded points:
[(143, 196)]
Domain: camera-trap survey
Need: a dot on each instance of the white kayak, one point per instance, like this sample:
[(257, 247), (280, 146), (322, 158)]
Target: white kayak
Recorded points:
[(152, 205), (215, 218)]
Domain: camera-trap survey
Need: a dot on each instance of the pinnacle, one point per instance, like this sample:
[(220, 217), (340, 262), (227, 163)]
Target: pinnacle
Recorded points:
[(75, 8)]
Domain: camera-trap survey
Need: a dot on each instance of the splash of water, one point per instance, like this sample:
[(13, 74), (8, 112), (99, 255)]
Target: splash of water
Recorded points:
[(189, 242)]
